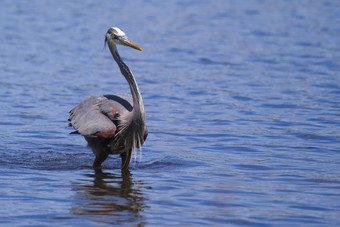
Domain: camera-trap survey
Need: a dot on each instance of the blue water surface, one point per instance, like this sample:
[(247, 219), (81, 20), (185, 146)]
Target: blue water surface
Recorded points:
[(242, 101)]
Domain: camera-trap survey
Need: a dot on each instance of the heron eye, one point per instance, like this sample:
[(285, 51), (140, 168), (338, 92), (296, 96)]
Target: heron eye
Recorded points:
[(114, 36)]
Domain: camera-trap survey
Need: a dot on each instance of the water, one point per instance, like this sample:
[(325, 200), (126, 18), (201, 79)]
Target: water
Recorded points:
[(242, 102)]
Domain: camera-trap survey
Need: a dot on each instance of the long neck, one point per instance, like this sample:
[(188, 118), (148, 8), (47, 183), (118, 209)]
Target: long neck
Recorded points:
[(138, 107)]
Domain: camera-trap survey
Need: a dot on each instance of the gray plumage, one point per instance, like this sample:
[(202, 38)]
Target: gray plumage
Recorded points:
[(113, 124)]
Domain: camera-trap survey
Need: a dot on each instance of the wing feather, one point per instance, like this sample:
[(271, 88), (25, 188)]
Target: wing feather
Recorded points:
[(89, 119), (99, 116)]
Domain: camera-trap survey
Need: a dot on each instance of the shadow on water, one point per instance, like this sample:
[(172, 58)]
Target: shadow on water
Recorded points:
[(110, 198)]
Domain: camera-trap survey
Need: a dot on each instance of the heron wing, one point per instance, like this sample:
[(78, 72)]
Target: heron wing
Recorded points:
[(90, 119), (98, 116)]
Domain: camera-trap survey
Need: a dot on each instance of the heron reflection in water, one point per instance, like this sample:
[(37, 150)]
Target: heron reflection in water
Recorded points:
[(113, 124), (110, 198)]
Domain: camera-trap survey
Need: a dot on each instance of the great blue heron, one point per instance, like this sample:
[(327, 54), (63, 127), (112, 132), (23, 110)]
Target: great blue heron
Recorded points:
[(113, 124)]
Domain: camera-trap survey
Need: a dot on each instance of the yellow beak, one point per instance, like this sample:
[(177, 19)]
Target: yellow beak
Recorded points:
[(127, 42)]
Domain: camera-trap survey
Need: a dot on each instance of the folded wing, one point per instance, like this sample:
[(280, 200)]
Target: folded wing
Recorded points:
[(94, 117)]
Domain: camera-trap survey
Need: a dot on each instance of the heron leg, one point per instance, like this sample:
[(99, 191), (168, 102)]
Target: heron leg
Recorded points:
[(100, 158), (126, 159)]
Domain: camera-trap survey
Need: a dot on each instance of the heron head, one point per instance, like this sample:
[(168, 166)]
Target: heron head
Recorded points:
[(117, 36)]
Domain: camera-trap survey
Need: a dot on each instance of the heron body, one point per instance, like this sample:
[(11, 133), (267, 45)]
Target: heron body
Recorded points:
[(113, 124)]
